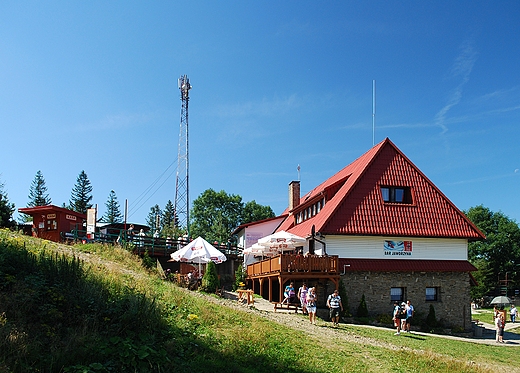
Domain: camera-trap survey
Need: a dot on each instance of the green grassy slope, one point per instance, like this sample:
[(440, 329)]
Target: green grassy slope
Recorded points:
[(93, 308)]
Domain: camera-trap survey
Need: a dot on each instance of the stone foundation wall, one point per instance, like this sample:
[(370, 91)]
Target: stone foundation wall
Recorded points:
[(453, 307)]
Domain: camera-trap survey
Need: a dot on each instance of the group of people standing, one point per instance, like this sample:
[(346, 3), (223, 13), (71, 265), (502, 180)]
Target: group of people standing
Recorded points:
[(307, 297), (402, 316), (500, 323)]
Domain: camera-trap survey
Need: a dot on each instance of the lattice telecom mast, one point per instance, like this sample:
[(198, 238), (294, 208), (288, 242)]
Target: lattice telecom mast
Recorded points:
[(182, 208)]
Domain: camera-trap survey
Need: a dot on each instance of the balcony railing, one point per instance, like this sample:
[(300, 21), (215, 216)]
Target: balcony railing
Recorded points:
[(290, 263)]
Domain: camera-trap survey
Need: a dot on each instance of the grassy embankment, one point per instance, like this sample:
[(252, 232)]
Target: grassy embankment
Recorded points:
[(106, 313)]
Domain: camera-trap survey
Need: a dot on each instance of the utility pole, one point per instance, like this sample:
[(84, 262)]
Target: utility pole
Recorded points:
[(182, 208)]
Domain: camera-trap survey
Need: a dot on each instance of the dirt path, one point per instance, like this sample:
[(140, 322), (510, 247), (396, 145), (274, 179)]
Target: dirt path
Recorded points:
[(329, 335)]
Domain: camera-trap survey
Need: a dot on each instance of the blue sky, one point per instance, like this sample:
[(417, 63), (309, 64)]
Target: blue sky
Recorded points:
[(93, 86)]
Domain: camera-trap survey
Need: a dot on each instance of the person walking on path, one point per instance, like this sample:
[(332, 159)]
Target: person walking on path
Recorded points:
[(513, 312), (335, 306), (311, 305), (409, 315), (396, 318), (288, 293), (302, 296)]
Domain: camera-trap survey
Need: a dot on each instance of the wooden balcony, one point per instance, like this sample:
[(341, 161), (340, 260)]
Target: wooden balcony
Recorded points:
[(269, 277), (291, 263)]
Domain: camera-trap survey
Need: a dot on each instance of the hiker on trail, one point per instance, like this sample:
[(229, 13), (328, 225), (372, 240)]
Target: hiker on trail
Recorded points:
[(302, 296), (409, 316), (402, 315), (288, 293), (311, 305), (396, 317), (513, 312), (334, 303)]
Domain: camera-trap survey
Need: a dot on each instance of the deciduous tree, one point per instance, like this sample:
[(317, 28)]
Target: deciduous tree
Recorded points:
[(215, 215), (254, 212), (498, 255)]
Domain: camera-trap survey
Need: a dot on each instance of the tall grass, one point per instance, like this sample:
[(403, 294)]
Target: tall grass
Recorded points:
[(107, 313)]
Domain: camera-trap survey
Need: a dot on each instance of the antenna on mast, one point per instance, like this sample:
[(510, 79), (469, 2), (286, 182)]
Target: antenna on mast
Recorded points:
[(182, 208), (373, 111), (298, 168)]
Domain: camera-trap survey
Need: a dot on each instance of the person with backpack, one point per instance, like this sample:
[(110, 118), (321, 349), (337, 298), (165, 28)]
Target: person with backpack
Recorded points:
[(396, 318), (402, 315), (288, 293)]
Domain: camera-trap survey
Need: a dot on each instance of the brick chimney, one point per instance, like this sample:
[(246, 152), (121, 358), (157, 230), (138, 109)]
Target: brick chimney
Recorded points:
[(294, 194)]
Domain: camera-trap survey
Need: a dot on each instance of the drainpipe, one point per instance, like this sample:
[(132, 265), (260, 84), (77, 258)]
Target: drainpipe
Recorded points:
[(344, 269), (313, 237)]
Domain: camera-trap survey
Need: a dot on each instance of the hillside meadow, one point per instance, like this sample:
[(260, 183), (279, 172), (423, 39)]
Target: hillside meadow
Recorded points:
[(95, 308)]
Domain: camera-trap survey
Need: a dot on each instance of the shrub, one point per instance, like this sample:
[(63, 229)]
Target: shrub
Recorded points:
[(384, 318), (362, 310), (431, 320), (148, 261), (210, 281), (344, 300)]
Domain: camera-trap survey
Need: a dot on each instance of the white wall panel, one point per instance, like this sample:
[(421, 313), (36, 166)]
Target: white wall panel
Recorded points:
[(373, 247)]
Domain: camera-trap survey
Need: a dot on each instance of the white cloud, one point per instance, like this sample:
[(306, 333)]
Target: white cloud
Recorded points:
[(461, 68)]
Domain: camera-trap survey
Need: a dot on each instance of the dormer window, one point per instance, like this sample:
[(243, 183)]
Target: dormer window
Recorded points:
[(310, 211), (398, 194)]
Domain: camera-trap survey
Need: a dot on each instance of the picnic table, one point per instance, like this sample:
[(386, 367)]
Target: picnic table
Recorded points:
[(246, 295)]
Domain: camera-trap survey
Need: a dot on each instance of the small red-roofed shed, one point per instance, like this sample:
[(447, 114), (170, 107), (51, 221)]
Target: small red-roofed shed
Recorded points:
[(52, 222)]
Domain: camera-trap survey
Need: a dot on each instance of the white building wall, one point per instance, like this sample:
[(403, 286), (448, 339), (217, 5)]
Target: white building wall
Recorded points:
[(365, 247)]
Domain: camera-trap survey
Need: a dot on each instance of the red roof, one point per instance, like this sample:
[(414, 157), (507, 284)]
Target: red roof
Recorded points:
[(404, 265), (354, 203), (246, 225), (50, 208)]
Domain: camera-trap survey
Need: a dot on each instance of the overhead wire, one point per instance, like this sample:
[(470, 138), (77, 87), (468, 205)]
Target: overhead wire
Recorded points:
[(150, 191)]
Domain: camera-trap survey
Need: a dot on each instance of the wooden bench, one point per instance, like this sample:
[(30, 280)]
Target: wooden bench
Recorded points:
[(286, 306)]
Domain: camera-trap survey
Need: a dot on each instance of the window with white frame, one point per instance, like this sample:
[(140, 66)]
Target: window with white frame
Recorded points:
[(393, 194)]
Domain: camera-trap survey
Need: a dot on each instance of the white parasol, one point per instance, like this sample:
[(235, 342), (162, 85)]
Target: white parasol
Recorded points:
[(282, 241), (257, 250), (199, 251)]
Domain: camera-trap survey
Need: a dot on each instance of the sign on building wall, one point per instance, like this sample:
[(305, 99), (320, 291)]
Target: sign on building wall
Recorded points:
[(398, 248), (252, 238)]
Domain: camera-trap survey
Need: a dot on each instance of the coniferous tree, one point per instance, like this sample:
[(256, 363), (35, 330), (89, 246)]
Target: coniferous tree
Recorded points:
[(6, 209), (170, 222), (113, 212), (81, 194), (168, 215), (210, 280), (362, 310), (154, 219), (38, 195)]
